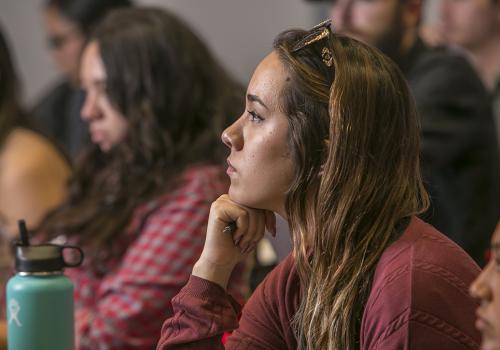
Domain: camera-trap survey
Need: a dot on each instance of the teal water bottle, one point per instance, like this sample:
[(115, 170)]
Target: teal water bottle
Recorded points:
[(40, 311)]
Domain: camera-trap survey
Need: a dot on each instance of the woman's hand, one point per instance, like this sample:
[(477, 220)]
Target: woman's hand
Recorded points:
[(225, 248)]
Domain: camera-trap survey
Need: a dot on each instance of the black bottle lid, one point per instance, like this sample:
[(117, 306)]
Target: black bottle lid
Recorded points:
[(44, 257)]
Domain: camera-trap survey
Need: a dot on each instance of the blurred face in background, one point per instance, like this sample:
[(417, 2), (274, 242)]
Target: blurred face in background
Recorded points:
[(107, 126), (375, 22), (66, 42), (468, 23), (487, 288), (389, 25)]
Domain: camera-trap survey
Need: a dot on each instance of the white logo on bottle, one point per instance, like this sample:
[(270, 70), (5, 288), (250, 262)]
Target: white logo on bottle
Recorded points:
[(14, 309)]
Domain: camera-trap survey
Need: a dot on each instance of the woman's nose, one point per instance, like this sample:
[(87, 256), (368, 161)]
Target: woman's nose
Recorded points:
[(233, 136), (480, 288), (89, 109)]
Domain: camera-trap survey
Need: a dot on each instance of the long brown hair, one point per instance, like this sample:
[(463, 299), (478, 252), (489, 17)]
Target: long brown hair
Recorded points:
[(177, 100), (354, 136)]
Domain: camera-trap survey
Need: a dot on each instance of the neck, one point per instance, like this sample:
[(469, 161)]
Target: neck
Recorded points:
[(486, 58), (282, 212), (402, 55), (408, 40)]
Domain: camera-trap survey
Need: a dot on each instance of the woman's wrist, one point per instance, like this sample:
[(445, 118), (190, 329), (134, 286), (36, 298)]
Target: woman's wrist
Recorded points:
[(213, 272)]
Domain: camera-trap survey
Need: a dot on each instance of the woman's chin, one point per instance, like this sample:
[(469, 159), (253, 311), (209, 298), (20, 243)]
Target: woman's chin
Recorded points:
[(236, 197), (276, 205), (242, 198)]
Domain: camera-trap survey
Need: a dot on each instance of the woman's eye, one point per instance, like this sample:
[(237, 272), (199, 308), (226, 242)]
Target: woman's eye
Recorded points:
[(254, 117)]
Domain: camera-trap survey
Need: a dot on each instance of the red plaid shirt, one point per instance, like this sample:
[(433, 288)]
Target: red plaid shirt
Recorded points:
[(125, 308)]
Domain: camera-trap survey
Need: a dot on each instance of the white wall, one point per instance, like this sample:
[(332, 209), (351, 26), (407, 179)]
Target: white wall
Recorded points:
[(431, 14), (21, 22), (240, 32)]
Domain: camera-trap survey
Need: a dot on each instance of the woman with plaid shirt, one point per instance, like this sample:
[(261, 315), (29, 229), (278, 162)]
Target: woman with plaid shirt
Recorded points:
[(156, 102)]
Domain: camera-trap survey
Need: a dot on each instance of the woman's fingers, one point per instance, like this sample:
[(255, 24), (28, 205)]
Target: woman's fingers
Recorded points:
[(265, 220), (242, 226), (235, 229), (250, 248), (255, 229), (250, 223), (246, 236)]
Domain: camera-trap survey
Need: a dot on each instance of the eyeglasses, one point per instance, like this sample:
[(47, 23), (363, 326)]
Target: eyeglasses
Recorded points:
[(317, 33)]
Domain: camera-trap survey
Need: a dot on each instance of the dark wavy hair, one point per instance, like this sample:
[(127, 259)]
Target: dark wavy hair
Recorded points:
[(354, 138), (177, 100), (86, 13)]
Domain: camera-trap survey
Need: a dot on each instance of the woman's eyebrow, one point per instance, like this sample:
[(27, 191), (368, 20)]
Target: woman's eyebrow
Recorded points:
[(255, 98)]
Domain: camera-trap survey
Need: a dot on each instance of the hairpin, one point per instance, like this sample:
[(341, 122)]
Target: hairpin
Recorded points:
[(326, 56), (316, 34)]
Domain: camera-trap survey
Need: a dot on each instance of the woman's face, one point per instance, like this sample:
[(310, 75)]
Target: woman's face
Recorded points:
[(469, 23), (107, 126), (66, 42), (487, 288), (260, 166), (371, 21)]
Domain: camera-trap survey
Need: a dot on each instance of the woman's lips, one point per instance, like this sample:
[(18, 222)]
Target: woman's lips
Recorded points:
[(230, 169), (96, 136), (482, 323)]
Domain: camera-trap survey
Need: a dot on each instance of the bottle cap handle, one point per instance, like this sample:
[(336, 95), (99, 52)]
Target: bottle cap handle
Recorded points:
[(78, 261)]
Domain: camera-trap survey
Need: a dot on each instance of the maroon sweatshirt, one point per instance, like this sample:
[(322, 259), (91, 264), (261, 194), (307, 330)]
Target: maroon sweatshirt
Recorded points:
[(419, 300)]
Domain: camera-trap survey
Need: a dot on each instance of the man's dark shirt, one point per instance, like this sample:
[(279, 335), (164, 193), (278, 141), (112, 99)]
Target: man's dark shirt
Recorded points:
[(460, 157)]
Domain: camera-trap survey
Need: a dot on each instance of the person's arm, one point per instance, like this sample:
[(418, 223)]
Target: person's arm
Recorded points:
[(210, 313), (203, 311), (3, 335), (223, 249), (32, 181)]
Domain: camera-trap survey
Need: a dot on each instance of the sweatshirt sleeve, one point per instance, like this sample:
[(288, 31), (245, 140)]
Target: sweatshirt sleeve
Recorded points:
[(203, 311)]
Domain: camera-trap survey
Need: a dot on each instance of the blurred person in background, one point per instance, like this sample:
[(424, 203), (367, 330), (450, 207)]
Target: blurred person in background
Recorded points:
[(68, 24), (474, 25), (430, 29), (459, 147), (33, 172), (487, 289), (156, 103)]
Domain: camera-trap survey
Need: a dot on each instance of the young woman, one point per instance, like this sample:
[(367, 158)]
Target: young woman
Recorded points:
[(156, 102), (329, 140)]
